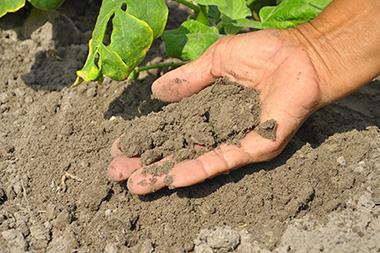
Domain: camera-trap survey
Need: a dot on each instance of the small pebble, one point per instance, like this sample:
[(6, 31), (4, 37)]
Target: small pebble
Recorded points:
[(17, 187), (108, 212), (111, 248), (19, 92), (147, 247), (4, 98), (15, 239), (360, 168), (10, 192), (218, 239), (375, 197), (341, 161), (67, 129), (28, 100), (107, 81), (51, 212), (91, 92)]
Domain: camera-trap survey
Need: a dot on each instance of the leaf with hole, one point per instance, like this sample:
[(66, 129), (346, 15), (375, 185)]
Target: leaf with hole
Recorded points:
[(134, 26), (10, 6)]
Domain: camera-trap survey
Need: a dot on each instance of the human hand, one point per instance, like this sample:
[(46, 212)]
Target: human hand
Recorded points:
[(271, 61)]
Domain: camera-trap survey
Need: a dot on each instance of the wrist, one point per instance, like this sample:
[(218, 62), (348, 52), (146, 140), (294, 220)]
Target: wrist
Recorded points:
[(322, 55), (343, 45)]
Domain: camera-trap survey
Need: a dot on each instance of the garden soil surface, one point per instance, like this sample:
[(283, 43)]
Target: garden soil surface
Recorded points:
[(321, 195)]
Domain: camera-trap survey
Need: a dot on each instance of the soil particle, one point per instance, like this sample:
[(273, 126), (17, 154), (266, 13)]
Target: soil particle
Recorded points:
[(341, 161), (267, 129), (218, 239), (10, 193), (146, 247), (223, 112), (15, 240), (93, 197), (354, 231), (40, 236), (6, 149), (64, 218), (63, 242), (111, 248)]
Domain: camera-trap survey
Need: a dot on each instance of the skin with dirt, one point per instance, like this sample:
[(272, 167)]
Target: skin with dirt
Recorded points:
[(221, 113), (54, 152)]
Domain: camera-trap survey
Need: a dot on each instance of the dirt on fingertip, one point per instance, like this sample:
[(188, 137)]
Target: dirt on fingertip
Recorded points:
[(222, 113)]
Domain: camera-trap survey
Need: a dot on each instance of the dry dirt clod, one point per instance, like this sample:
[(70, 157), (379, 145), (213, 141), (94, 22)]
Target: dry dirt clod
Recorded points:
[(341, 161), (111, 248), (267, 129), (15, 239), (40, 236), (147, 247), (63, 242), (218, 239)]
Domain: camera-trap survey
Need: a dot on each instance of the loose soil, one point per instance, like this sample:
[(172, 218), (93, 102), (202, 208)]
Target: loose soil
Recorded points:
[(320, 194), (221, 113)]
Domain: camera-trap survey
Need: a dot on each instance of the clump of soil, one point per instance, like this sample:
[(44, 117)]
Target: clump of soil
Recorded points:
[(223, 112)]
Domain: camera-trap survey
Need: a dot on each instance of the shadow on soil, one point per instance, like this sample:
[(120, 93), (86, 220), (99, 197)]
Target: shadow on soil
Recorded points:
[(135, 101), (59, 41)]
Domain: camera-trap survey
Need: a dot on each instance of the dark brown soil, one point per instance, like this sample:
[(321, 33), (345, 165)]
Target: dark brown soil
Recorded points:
[(223, 112), (54, 153)]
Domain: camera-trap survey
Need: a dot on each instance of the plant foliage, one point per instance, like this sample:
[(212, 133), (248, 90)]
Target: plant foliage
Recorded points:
[(14, 5), (141, 21), (125, 29), (135, 23)]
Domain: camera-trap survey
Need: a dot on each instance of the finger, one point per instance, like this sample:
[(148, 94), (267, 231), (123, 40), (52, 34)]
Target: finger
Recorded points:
[(190, 172), (221, 160), (185, 80), (141, 182), (115, 150), (253, 148), (122, 167)]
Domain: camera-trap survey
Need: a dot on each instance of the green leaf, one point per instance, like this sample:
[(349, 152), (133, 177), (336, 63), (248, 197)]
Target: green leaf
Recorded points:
[(153, 12), (135, 23), (190, 40), (247, 23), (46, 5), (234, 9), (10, 6), (290, 13)]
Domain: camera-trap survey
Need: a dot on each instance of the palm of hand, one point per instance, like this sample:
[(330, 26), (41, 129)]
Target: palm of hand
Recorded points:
[(268, 61)]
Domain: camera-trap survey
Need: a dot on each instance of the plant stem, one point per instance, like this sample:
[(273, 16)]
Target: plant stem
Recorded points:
[(160, 66)]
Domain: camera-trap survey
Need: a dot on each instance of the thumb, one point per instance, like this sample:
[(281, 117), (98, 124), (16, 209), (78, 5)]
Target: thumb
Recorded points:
[(185, 80)]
